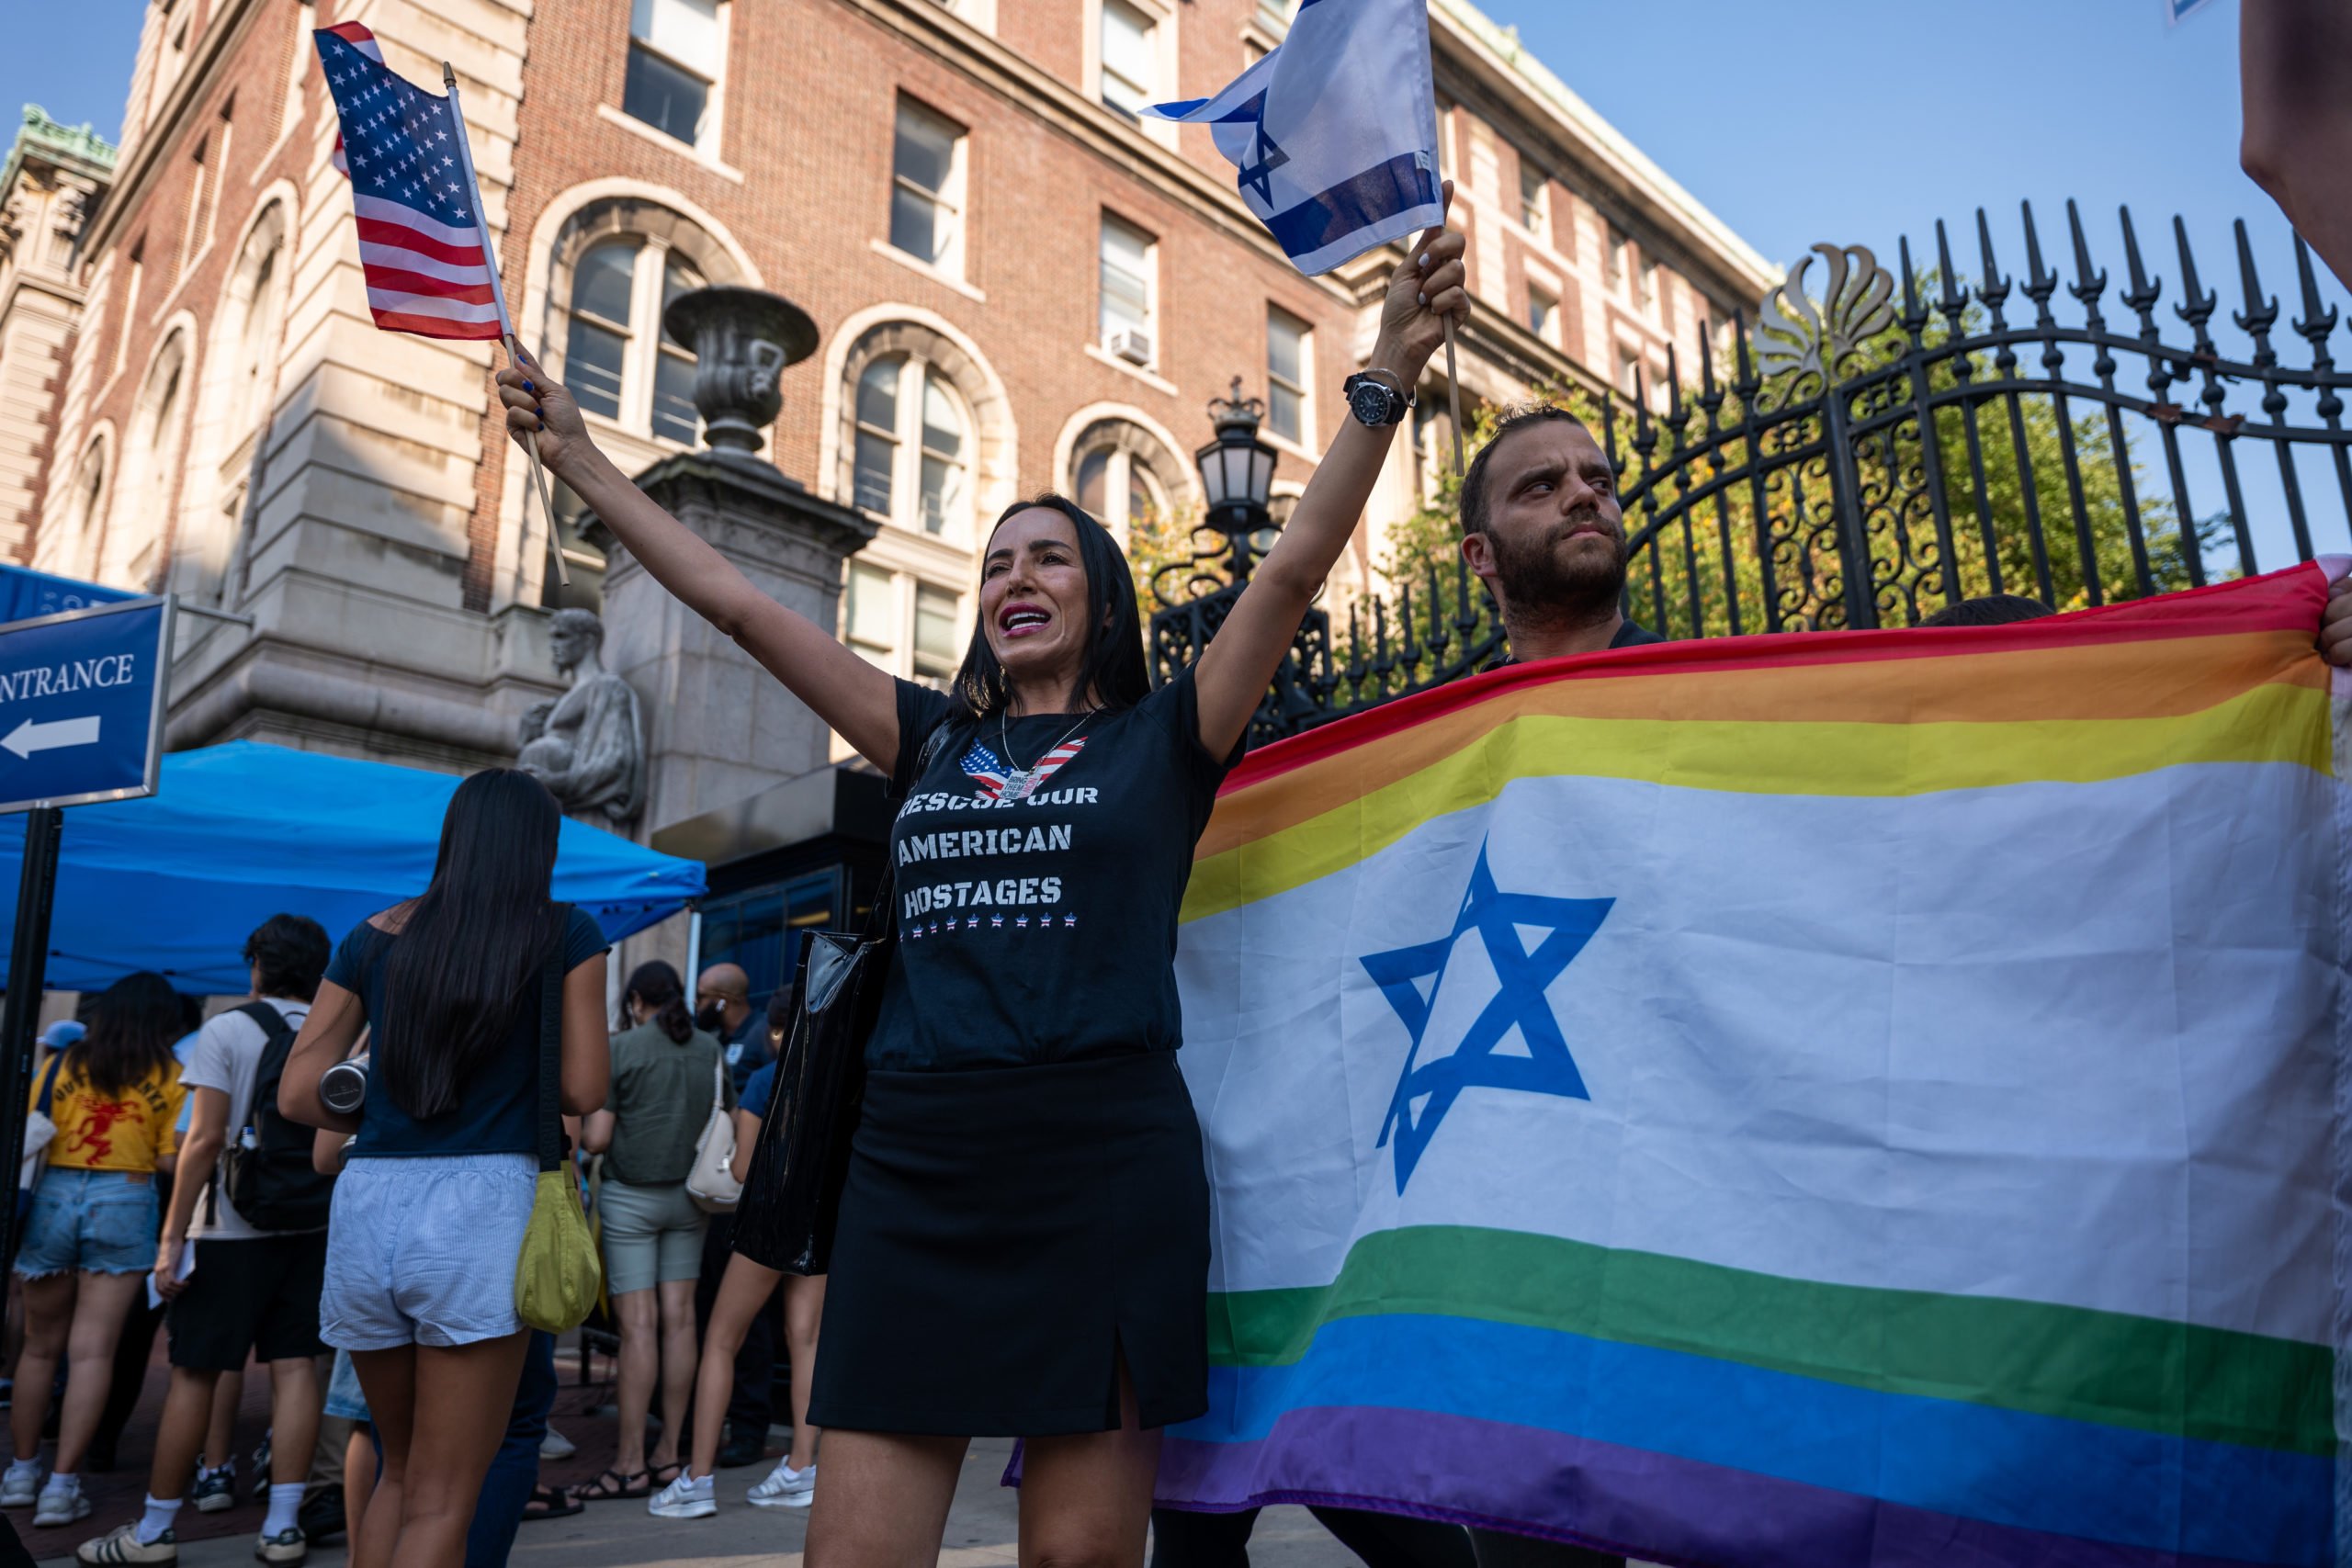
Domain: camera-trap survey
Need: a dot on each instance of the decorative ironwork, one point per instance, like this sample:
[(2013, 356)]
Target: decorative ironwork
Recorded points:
[(1792, 333), (1911, 438)]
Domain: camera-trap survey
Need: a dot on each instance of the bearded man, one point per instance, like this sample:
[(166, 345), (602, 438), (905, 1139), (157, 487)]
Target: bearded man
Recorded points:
[(1542, 527)]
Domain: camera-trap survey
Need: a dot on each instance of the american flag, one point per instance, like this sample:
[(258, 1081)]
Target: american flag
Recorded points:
[(986, 769), (420, 241)]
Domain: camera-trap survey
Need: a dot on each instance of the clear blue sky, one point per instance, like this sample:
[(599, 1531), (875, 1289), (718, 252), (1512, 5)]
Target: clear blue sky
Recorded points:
[(1848, 121)]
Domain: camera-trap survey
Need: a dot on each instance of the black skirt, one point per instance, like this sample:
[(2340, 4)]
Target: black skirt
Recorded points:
[(1006, 1238)]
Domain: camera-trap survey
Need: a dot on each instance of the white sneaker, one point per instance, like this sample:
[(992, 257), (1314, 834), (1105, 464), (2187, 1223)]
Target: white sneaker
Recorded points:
[(122, 1544), (687, 1498), (287, 1545), (62, 1505), (555, 1445), (20, 1487), (787, 1487)]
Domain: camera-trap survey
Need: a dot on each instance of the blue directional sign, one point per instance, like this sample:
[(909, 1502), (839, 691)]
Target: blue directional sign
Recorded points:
[(82, 705)]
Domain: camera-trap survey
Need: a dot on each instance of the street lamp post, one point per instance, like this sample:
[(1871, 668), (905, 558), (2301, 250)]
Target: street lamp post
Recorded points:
[(1238, 479), (1236, 473)]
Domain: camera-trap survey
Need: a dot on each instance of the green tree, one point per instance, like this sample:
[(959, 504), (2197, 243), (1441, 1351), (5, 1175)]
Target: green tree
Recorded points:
[(1701, 565)]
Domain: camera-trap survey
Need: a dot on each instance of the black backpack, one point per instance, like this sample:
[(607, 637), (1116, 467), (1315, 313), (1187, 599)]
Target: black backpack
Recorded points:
[(271, 1181)]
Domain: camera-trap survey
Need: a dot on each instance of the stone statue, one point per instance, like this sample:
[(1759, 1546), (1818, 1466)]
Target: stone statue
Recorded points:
[(588, 746)]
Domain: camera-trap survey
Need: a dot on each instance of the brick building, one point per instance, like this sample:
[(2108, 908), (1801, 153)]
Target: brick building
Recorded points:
[(1018, 284)]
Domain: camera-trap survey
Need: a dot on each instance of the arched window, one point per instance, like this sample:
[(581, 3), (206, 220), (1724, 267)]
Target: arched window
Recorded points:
[(616, 266), (619, 362), (258, 289), (86, 507), (141, 513), (1123, 474), (913, 454)]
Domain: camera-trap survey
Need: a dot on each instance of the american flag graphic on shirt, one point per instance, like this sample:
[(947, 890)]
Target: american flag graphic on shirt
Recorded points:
[(421, 242), (995, 776)]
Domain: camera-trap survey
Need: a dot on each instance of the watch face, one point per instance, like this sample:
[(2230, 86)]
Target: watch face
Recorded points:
[(1370, 402)]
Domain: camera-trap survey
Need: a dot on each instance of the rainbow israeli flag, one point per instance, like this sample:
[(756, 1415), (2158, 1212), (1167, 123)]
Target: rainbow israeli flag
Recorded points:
[(1848, 1098)]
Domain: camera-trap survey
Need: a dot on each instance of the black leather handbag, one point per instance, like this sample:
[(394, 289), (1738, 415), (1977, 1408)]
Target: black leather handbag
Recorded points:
[(792, 1198)]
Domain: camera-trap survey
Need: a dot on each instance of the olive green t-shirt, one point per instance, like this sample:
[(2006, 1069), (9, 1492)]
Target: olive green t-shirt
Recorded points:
[(660, 1101)]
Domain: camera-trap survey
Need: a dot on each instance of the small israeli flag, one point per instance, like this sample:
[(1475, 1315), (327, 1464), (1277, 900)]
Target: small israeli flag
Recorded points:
[(1335, 132)]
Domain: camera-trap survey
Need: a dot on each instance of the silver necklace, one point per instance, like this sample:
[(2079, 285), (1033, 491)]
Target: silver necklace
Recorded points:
[(1021, 782)]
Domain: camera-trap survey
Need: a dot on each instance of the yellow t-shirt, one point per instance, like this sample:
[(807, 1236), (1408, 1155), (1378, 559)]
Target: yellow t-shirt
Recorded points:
[(126, 1132)]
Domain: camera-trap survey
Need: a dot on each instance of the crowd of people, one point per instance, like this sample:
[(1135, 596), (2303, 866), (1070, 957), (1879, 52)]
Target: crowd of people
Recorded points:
[(240, 1260)]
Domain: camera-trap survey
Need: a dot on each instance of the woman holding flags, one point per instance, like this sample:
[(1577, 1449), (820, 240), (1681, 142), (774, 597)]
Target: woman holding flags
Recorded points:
[(1023, 1248)]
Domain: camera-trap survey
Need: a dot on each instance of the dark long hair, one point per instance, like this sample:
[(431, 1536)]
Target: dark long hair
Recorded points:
[(469, 956), (131, 1031), (657, 984), (1113, 667)]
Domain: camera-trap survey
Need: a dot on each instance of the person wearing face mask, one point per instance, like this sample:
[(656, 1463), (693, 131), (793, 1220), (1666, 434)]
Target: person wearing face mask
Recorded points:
[(723, 1008), (1023, 1244)]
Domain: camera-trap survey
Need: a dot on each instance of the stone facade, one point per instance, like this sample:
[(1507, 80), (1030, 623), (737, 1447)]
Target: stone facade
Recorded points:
[(50, 182), (1030, 289)]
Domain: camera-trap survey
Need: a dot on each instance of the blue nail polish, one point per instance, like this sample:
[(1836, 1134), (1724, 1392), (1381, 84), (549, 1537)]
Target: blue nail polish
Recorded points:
[(529, 388)]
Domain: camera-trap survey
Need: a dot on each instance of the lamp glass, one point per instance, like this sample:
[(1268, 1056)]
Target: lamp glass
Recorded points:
[(1210, 460)]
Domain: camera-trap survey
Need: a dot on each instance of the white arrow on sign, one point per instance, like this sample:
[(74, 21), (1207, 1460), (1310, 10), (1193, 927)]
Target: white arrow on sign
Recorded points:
[(28, 737)]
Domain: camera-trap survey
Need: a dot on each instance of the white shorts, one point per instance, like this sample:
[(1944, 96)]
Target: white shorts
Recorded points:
[(422, 1250)]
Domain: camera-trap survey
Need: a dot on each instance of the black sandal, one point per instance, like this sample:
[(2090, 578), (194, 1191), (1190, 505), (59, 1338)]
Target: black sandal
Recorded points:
[(613, 1487), (551, 1503), (663, 1474)]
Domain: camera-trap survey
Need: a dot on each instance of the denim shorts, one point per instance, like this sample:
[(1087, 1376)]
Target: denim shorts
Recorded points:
[(422, 1251), (104, 1222), (345, 1396)]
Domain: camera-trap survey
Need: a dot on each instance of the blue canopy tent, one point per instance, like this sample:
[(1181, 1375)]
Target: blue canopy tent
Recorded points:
[(239, 832)]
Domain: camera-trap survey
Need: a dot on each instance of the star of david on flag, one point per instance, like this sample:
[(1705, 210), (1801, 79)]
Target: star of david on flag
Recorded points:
[(421, 242), (1334, 133), (1502, 921)]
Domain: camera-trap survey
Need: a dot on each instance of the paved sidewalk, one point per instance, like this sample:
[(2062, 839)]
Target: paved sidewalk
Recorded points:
[(980, 1533)]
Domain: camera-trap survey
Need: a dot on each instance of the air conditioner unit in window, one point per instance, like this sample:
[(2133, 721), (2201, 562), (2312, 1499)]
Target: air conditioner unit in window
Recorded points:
[(1132, 344)]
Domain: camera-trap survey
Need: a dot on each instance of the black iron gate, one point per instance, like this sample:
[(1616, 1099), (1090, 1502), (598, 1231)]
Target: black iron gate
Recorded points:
[(1904, 440)]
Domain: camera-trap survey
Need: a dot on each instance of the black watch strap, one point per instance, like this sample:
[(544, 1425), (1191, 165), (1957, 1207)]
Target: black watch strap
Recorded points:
[(1374, 399)]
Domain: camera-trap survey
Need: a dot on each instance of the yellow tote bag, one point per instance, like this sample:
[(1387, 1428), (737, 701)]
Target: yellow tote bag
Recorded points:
[(559, 1276)]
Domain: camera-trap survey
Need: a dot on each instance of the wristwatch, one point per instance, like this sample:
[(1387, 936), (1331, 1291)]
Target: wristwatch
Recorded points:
[(1373, 402)]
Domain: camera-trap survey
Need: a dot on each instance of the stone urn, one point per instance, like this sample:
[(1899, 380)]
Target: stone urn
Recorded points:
[(742, 339)]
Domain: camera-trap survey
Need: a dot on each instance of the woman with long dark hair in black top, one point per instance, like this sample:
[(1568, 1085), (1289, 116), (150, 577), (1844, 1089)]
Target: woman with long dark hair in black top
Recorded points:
[(1024, 1242), (431, 1208)]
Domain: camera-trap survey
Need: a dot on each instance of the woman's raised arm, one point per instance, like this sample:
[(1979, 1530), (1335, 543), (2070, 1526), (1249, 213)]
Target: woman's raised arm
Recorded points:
[(1239, 663), (855, 698)]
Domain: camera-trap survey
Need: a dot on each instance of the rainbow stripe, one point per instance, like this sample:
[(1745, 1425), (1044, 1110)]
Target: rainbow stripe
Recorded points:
[(1955, 1177)]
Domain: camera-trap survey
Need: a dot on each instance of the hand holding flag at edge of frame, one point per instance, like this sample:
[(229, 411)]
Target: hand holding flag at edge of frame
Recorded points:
[(1319, 156), (424, 247)]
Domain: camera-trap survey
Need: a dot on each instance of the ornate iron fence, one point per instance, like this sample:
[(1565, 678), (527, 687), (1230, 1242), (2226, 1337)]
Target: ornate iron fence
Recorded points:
[(1907, 440)]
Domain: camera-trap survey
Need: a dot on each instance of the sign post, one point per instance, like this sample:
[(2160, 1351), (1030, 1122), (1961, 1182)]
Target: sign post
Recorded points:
[(81, 721)]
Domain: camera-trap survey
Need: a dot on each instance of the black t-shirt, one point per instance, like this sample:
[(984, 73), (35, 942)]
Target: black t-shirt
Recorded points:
[(1629, 634), (499, 1112), (1041, 929)]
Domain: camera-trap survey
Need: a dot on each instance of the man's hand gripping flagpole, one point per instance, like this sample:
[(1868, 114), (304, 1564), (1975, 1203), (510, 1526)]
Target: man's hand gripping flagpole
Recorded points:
[(506, 324)]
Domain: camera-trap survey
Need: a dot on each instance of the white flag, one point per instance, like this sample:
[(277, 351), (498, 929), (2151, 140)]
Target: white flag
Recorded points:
[(1335, 132)]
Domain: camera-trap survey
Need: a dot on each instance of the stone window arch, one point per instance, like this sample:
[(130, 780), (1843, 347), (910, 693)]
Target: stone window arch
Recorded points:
[(87, 509), (260, 286), (1126, 474), (925, 435), (616, 265), (142, 501)]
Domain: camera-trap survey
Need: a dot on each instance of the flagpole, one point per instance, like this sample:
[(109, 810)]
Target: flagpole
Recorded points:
[(505, 320), (1427, 89), (1453, 392)]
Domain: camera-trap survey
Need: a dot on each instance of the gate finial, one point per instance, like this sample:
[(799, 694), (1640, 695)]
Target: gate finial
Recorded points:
[(1793, 334)]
